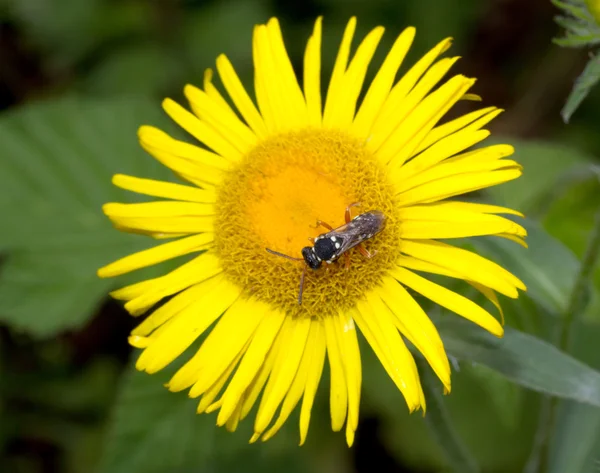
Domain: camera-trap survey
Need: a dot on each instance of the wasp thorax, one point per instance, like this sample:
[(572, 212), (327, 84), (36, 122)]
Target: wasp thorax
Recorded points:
[(325, 248), (311, 259)]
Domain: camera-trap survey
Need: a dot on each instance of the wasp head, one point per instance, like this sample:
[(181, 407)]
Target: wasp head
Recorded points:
[(311, 259)]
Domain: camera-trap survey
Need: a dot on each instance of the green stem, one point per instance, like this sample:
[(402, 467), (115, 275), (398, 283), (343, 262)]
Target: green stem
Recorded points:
[(577, 301), (440, 425), (575, 307)]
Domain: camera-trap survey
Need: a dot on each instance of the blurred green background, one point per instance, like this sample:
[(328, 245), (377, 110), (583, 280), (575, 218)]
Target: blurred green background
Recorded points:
[(77, 77)]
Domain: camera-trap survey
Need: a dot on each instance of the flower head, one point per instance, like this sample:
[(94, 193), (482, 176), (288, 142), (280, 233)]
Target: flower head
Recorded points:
[(263, 177)]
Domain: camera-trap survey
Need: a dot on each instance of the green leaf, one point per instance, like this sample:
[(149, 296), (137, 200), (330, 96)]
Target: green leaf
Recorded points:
[(524, 359), (56, 168), (576, 27), (155, 430), (577, 41), (577, 9), (576, 441), (583, 84), (503, 395)]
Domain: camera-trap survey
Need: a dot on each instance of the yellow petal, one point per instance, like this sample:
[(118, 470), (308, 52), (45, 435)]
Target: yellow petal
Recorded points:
[(199, 269), (453, 211), (251, 394), (175, 305), (219, 118), (157, 140), (472, 97), (186, 326), (253, 360), (294, 104), (416, 326), (449, 299), (376, 323), (405, 96), (457, 184), (313, 377), (402, 144), (156, 255), (225, 341), (299, 383), (158, 209), (407, 84), (350, 352), (428, 267), (518, 240), (448, 169), (312, 75), (201, 130), (339, 69), (284, 370), (338, 399), (382, 84), (344, 105), (215, 95), (455, 220), (470, 265), (240, 97), (407, 175), (201, 170), (266, 86), (174, 226), (234, 420), (474, 120), (427, 230), (213, 391), (489, 153), (490, 296), (167, 190), (139, 342)]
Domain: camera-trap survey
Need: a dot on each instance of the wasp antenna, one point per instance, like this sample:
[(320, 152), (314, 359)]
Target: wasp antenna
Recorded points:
[(282, 255), (301, 286)]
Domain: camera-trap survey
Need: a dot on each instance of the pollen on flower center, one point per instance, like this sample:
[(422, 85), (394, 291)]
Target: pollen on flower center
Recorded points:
[(274, 198), (283, 203)]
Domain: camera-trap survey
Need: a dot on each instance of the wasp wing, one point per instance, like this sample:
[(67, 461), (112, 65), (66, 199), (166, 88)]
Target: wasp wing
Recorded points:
[(362, 228)]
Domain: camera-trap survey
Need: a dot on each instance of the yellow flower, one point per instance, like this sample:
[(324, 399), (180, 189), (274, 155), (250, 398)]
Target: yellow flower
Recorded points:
[(264, 176)]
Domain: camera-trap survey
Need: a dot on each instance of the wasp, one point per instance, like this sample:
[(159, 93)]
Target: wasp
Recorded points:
[(328, 247)]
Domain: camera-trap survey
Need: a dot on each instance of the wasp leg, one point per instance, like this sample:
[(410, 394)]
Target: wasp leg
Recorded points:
[(321, 223), (348, 213), (347, 265), (365, 252)]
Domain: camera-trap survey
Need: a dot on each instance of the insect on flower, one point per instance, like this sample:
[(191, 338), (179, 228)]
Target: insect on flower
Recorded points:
[(330, 246)]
